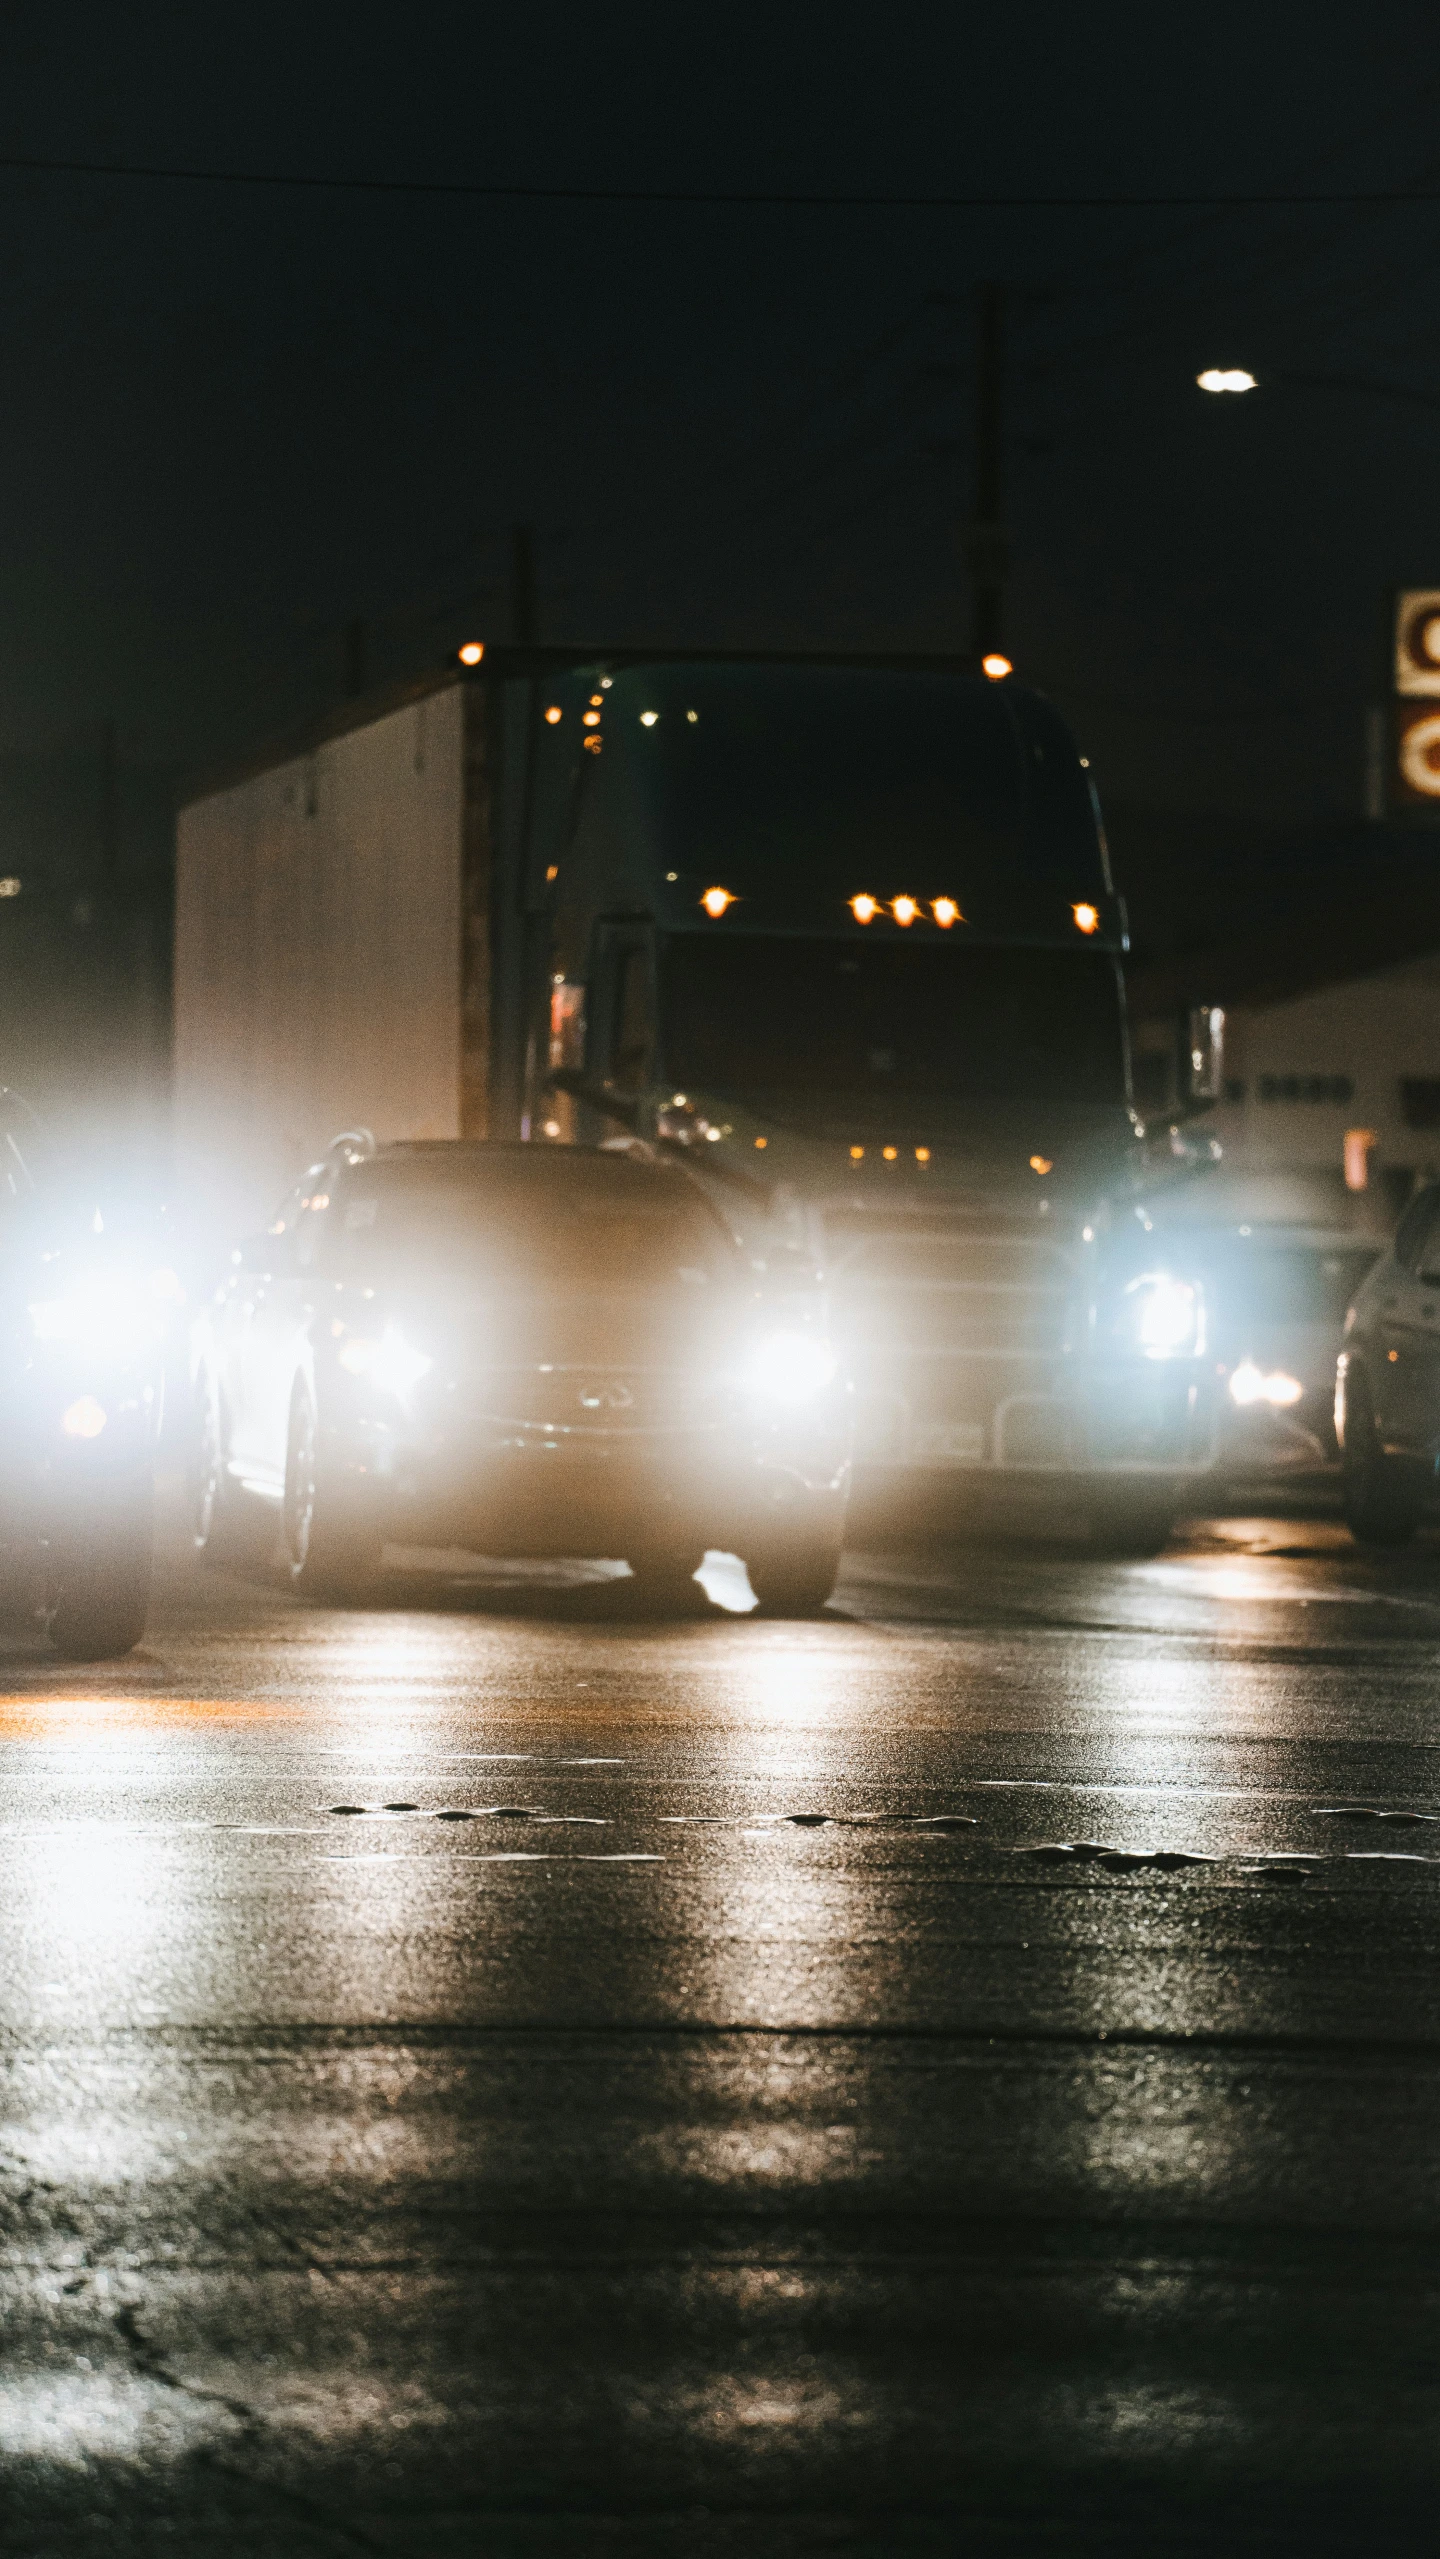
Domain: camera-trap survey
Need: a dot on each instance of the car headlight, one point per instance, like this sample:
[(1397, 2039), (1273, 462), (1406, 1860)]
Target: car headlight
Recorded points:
[(1164, 1316), (788, 1368), (1252, 1385), (103, 1317), (387, 1359)]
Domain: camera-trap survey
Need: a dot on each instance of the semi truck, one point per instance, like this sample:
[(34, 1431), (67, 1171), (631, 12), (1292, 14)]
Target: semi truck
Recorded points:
[(842, 932)]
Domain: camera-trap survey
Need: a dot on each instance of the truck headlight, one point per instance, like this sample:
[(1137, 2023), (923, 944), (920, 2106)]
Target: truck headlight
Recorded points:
[(788, 1368), (387, 1359), (1164, 1316)]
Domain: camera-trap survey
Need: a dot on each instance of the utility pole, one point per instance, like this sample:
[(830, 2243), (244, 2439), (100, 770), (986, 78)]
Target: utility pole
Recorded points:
[(524, 610), (987, 547)]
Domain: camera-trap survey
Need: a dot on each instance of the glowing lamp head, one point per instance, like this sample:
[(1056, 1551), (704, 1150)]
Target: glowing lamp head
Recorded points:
[(996, 665), (904, 909), (1087, 918), (715, 902), (1042, 1164), (84, 1419), (554, 714), (472, 653), (856, 1152), (922, 1154), (1226, 377), (864, 908), (946, 912)]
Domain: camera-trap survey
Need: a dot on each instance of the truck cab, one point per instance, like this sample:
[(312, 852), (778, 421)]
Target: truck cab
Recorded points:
[(847, 936)]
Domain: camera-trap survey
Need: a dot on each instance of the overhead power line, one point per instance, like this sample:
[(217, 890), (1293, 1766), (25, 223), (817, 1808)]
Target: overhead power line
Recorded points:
[(1113, 200)]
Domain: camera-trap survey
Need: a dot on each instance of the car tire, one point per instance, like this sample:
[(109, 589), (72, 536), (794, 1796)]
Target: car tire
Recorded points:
[(664, 1579), (795, 1576), (1382, 1497), (332, 1541), (230, 1527), (1135, 1525), (98, 1573)]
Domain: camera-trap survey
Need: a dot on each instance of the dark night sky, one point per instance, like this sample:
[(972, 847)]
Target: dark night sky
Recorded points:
[(235, 419)]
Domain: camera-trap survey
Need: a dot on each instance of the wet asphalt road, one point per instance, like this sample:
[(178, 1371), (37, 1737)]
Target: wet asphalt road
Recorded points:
[(747, 2131)]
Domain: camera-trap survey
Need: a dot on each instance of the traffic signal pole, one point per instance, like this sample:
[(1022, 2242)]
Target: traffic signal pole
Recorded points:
[(986, 545)]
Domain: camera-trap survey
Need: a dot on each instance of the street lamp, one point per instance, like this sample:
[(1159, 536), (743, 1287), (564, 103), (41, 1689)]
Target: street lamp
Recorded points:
[(1217, 377)]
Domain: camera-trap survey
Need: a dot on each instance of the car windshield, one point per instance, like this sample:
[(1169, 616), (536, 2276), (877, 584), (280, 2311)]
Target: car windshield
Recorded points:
[(1292, 1284), (557, 1221), (831, 1019)]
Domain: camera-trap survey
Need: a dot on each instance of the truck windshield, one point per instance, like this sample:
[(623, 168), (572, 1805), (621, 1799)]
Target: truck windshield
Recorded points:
[(766, 1018), (511, 1224)]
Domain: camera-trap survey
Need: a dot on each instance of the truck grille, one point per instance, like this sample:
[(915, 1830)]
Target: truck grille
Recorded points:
[(939, 1290)]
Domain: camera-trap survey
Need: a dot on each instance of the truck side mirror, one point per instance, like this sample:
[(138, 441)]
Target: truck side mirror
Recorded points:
[(1204, 1055)]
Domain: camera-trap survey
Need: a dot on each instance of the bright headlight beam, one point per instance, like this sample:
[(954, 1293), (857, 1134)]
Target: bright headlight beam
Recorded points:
[(1166, 1315), (390, 1362), (1250, 1384), (788, 1368)]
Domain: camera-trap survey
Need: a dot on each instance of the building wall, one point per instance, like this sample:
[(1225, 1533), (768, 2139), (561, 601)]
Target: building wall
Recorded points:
[(1301, 1073)]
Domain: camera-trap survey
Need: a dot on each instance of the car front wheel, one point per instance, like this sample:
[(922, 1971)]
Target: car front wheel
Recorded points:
[(332, 1541), (794, 1576), (1382, 1496), (98, 1566)]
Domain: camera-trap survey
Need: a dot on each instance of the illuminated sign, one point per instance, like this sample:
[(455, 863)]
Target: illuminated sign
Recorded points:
[(1414, 778)]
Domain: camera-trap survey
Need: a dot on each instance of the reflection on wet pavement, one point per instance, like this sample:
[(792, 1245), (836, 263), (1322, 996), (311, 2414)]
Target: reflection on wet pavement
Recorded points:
[(503, 2072)]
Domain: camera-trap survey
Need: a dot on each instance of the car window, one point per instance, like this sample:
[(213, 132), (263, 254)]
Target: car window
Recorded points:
[(1416, 1236)]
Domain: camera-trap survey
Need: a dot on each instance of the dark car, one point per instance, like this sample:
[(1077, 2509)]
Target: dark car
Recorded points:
[(83, 1308), (1387, 1384), (519, 1350)]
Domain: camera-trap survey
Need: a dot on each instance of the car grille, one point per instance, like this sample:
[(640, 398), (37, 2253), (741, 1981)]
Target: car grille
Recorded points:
[(579, 1399)]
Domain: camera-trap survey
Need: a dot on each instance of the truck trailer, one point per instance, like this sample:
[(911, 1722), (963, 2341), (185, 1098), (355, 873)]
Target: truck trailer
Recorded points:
[(843, 932)]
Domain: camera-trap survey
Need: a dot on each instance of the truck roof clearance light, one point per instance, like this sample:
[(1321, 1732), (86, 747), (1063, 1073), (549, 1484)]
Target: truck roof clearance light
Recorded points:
[(996, 666), (472, 653), (922, 1154), (554, 714), (855, 1154), (946, 912), (715, 902), (889, 1153), (904, 909), (1087, 918), (864, 908), (762, 1141)]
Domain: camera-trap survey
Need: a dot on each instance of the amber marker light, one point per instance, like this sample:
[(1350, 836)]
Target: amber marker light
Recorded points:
[(889, 1153), (762, 1141), (1087, 918), (922, 1154), (715, 901), (855, 1154), (904, 909), (946, 912), (553, 714), (996, 666), (472, 653), (864, 908), (1041, 1164), (591, 719)]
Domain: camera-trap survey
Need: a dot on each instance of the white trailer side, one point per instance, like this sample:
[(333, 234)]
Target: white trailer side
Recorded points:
[(320, 959)]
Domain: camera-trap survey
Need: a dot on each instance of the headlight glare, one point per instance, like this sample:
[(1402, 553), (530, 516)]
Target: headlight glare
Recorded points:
[(788, 1368), (387, 1359), (1165, 1316), (1252, 1385)]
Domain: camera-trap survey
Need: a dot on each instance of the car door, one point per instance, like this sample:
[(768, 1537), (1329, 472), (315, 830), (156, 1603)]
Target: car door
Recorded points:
[(1404, 1333)]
